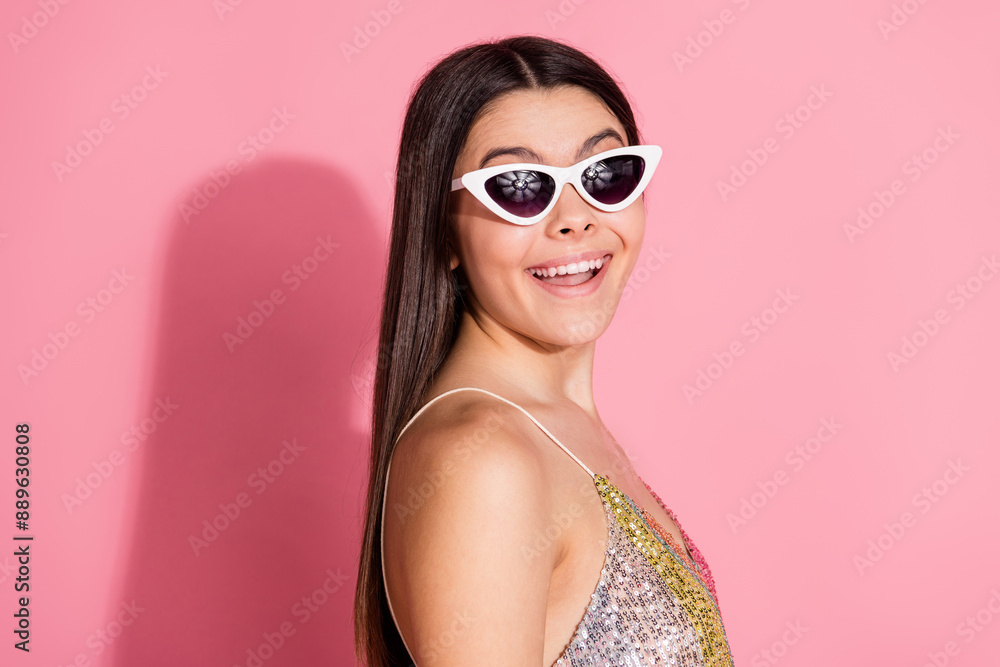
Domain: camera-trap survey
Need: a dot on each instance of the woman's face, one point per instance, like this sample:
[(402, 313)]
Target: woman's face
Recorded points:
[(557, 127)]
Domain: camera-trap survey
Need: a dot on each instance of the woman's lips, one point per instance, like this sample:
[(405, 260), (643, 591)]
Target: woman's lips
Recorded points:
[(576, 284), (570, 273)]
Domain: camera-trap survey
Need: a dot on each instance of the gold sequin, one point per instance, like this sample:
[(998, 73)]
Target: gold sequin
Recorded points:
[(650, 607)]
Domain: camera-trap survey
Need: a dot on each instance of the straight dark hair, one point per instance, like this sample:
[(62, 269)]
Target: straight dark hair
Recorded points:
[(422, 301)]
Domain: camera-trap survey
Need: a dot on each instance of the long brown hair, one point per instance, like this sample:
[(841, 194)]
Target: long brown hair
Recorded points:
[(422, 301)]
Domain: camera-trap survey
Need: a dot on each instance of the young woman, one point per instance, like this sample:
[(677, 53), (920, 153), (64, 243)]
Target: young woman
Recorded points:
[(513, 529)]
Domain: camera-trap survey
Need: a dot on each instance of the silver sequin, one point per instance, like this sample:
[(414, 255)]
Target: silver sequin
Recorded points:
[(633, 617)]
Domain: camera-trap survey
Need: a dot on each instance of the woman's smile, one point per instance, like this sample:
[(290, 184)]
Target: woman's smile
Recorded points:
[(572, 279)]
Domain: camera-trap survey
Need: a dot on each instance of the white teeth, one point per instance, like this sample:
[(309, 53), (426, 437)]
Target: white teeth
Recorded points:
[(571, 268)]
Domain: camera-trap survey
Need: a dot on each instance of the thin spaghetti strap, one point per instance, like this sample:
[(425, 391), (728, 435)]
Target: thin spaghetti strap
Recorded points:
[(385, 490), (529, 415)]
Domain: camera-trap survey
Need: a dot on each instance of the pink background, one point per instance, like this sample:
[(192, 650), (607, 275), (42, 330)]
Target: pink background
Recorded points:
[(321, 173)]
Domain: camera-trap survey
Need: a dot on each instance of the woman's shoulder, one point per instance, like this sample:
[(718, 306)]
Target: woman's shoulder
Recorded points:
[(467, 434), (466, 494)]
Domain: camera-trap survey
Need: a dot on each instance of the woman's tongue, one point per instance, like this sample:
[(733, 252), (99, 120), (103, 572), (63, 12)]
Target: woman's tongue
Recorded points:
[(570, 279)]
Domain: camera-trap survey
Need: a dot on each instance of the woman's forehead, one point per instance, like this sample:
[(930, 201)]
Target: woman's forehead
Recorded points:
[(554, 123)]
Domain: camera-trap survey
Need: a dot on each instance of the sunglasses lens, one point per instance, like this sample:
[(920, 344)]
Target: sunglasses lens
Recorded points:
[(521, 193), (526, 193), (612, 180)]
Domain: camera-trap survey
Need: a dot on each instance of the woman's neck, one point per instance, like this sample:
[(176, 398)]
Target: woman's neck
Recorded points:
[(486, 353)]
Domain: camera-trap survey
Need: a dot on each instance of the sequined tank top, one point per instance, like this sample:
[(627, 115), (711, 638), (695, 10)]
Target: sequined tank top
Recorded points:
[(654, 603)]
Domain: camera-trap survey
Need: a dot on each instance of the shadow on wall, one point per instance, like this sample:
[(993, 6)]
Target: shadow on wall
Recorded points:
[(246, 524)]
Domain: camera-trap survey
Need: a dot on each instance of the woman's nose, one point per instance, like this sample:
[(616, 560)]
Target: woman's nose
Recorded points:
[(571, 212)]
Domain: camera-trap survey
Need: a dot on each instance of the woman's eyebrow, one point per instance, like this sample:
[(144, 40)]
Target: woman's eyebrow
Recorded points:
[(528, 155)]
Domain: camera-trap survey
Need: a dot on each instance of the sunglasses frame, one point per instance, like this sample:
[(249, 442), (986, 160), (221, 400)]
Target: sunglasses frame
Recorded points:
[(475, 181)]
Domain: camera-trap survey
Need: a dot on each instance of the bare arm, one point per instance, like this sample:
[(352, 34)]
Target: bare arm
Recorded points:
[(462, 588)]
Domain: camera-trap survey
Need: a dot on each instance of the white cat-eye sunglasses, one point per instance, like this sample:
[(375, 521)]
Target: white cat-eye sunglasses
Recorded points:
[(525, 193)]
